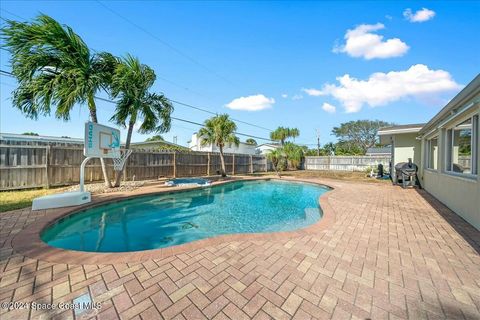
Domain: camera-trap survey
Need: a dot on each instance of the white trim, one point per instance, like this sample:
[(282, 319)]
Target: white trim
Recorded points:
[(408, 130), (465, 176), (458, 113)]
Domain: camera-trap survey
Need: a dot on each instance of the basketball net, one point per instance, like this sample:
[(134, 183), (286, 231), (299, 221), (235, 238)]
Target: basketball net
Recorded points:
[(121, 157)]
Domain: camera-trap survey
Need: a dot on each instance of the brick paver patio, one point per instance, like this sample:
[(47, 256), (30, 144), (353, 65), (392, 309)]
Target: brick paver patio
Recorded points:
[(389, 254)]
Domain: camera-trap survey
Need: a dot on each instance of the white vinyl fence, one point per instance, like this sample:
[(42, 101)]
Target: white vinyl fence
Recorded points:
[(346, 163)]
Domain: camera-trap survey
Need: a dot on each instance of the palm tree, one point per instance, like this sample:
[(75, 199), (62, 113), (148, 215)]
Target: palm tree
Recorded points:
[(281, 134), (220, 131), (156, 137), (275, 156), (54, 68), (131, 82), (293, 154), (251, 141)]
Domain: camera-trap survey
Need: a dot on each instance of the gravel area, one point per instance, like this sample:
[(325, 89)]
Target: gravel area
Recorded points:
[(100, 187)]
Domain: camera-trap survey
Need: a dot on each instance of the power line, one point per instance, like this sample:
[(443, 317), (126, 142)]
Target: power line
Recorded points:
[(171, 47), (182, 104), (174, 118), (13, 14)]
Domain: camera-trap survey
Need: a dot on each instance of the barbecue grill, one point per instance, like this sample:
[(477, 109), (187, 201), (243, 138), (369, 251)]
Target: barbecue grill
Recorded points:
[(407, 172)]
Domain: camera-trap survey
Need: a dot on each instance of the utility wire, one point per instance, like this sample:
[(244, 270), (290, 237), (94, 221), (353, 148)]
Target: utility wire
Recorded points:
[(174, 118), (179, 52), (179, 103)]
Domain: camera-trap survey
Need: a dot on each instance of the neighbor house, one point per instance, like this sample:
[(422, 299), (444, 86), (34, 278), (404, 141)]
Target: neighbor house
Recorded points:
[(24, 139), (403, 143), (446, 149), (243, 148), (265, 148)]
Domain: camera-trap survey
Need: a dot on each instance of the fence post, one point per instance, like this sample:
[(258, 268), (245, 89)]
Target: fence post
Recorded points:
[(251, 164), (47, 164), (233, 164), (174, 164), (266, 164), (208, 164)]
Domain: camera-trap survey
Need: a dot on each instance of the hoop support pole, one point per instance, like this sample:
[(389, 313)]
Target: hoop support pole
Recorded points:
[(82, 174)]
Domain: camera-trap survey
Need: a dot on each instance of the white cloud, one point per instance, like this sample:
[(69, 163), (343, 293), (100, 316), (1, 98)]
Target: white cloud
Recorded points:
[(297, 97), (380, 88), (362, 42), (251, 103), (328, 107), (284, 95), (312, 92), (420, 16)]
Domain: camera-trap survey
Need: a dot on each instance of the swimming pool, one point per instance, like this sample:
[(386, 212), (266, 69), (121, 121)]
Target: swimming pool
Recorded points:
[(159, 221), (187, 181)]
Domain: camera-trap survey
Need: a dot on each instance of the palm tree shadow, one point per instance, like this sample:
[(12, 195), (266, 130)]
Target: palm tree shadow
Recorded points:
[(463, 228)]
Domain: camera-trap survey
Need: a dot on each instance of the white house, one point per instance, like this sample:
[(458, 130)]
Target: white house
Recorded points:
[(447, 151), (243, 148), (266, 148)]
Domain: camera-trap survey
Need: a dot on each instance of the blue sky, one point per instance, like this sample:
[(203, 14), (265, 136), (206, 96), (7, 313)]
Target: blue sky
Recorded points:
[(295, 63)]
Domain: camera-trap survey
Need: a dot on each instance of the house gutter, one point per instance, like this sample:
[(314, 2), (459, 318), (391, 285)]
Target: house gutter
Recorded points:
[(472, 89)]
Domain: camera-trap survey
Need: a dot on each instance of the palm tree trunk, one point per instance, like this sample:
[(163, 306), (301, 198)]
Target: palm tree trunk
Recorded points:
[(222, 160), (93, 115), (118, 174)]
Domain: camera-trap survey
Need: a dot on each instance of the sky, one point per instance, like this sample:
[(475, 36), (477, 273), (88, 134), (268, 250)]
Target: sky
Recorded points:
[(310, 65)]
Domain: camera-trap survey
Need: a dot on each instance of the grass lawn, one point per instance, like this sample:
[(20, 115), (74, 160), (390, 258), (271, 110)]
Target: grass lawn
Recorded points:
[(11, 200)]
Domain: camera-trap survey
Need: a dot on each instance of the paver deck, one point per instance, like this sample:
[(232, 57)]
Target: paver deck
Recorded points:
[(389, 253)]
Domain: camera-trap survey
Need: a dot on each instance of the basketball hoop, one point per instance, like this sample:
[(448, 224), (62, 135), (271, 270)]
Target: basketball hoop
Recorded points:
[(120, 159)]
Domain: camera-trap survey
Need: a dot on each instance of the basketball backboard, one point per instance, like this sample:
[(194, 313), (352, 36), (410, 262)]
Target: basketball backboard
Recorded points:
[(101, 141)]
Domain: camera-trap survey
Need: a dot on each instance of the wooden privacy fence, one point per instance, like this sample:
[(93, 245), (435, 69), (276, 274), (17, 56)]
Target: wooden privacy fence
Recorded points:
[(346, 163), (32, 166)]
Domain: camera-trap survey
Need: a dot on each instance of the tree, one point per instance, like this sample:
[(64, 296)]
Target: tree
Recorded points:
[(219, 131), (361, 134), (251, 141), (155, 138), (54, 69), (281, 134), (275, 156), (30, 134), (293, 154), (131, 82), (330, 148)]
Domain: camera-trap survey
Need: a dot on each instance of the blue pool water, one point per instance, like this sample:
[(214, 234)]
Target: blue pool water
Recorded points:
[(151, 222), (188, 181)]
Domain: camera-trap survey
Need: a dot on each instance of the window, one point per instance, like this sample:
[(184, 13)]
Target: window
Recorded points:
[(462, 147), (432, 153)]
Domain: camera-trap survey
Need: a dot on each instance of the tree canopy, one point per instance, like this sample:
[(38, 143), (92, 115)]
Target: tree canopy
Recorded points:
[(251, 141), (358, 135), (281, 134), (156, 137), (219, 131)]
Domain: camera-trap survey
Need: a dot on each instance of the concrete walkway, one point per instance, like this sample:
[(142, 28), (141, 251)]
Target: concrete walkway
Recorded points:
[(388, 254)]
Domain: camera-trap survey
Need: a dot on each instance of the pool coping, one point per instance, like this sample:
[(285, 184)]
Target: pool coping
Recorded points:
[(28, 242)]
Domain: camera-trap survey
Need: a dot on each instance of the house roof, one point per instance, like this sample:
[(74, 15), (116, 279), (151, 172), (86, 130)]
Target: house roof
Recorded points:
[(273, 145), (24, 137), (382, 150), (454, 106), (52, 139), (404, 128), (155, 142)]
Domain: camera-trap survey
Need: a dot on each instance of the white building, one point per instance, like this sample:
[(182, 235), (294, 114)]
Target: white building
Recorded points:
[(266, 148), (243, 148)]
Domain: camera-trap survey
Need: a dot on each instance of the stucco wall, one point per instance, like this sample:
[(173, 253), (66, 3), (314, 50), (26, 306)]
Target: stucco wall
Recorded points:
[(462, 195), (407, 146)]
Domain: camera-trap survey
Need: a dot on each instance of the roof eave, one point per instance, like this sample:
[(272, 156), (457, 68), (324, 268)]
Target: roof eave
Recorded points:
[(471, 90)]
